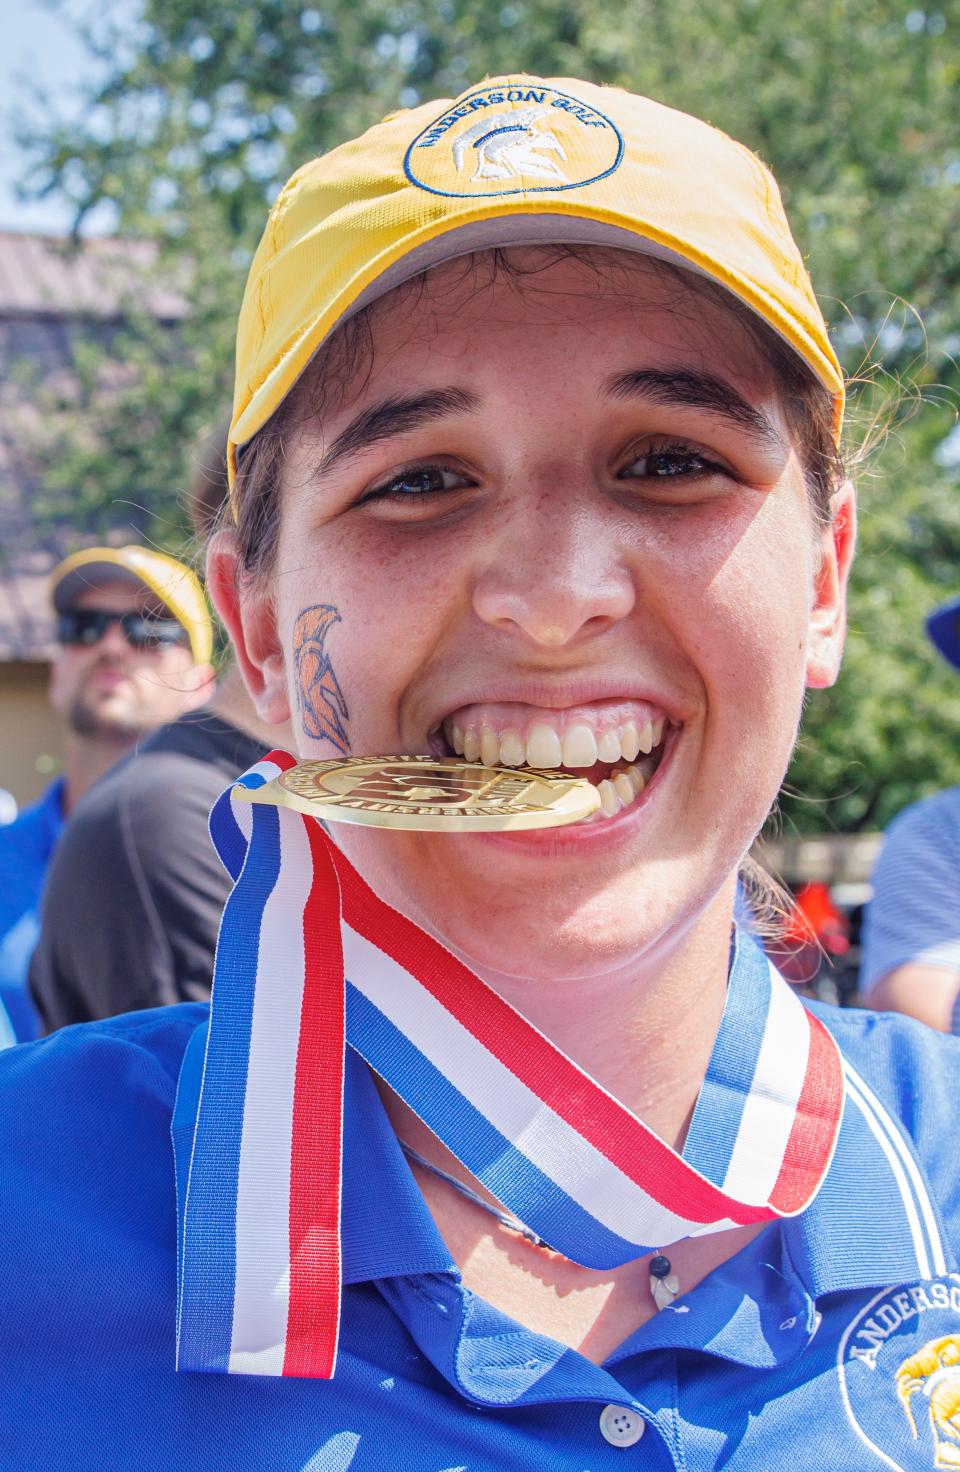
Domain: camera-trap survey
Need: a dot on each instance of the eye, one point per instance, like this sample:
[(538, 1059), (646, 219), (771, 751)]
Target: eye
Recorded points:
[(418, 481), (671, 462)]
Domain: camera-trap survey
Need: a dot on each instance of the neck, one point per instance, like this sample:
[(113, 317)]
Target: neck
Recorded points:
[(644, 1030), (87, 759), (232, 704)]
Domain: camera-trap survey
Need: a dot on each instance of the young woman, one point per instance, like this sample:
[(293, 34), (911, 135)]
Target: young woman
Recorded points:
[(536, 467)]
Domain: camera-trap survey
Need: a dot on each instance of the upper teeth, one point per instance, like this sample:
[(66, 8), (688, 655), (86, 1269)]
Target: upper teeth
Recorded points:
[(543, 745)]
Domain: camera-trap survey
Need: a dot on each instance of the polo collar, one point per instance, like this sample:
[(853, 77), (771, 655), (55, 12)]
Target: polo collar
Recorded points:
[(873, 1224), (874, 1221), (387, 1227), (388, 1231)]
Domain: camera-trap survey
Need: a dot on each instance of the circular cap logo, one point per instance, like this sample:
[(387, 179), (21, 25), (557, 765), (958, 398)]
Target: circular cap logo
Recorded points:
[(526, 139)]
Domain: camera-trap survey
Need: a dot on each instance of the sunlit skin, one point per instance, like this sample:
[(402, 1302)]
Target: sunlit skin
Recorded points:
[(554, 566)]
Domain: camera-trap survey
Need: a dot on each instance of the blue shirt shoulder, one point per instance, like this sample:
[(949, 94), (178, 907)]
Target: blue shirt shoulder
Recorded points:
[(831, 1339), (26, 847), (913, 1071)]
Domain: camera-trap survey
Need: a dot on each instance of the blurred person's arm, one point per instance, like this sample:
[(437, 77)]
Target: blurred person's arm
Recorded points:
[(911, 960), (134, 896), (929, 993)]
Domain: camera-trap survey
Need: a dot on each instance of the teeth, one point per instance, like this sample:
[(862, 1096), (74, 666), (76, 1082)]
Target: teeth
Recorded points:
[(609, 801), (620, 790), (513, 752), (630, 741), (608, 747), (623, 787), (543, 746), (489, 746), (579, 747)]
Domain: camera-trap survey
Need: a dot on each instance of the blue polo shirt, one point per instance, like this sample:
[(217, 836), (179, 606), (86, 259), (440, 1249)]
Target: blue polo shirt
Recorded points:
[(831, 1341), (26, 847)]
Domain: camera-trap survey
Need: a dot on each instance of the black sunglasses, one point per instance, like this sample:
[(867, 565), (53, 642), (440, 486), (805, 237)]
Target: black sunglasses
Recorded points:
[(88, 625)]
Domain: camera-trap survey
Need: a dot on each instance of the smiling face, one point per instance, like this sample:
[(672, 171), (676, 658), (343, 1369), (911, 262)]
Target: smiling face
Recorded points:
[(557, 518)]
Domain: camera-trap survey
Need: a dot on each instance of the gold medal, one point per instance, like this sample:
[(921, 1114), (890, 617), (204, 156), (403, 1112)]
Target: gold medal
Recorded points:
[(435, 794)]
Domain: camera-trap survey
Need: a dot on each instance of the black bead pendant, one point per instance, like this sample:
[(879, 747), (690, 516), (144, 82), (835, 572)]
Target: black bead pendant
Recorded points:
[(660, 1266)]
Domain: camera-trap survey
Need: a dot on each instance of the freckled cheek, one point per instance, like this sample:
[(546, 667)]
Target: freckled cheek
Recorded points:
[(403, 595), (397, 603), (764, 700), (745, 631)]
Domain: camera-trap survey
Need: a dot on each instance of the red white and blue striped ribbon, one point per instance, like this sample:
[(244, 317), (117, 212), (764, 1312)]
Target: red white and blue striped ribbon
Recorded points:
[(260, 1243)]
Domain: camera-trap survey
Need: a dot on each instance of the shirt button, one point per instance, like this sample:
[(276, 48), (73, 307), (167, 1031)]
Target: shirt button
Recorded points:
[(621, 1427)]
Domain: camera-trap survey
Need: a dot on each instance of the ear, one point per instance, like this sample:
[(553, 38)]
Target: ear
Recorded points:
[(828, 615), (246, 607)]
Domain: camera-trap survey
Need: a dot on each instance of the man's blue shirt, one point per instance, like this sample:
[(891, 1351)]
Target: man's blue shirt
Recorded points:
[(830, 1341), (26, 847)]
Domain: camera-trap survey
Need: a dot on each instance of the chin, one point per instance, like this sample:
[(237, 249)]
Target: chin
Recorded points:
[(121, 725), (539, 916), (544, 932)]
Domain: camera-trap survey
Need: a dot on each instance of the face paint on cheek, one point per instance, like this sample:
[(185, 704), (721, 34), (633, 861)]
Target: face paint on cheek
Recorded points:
[(323, 709)]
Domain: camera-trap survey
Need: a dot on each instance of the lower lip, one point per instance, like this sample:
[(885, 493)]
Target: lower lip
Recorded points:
[(578, 838)]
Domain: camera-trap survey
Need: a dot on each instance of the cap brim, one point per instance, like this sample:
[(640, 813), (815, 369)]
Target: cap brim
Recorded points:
[(504, 230), (94, 574), (174, 586)]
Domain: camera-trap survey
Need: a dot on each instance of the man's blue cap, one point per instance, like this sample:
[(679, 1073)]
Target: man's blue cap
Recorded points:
[(943, 626)]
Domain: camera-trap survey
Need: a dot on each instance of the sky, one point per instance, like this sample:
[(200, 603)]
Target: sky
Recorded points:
[(40, 47)]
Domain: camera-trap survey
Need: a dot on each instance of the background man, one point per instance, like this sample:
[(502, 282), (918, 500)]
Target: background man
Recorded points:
[(135, 892), (911, 959), (135, 640)]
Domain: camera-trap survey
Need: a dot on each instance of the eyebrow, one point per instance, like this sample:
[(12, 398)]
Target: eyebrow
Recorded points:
[(698, 391), (395, 416)]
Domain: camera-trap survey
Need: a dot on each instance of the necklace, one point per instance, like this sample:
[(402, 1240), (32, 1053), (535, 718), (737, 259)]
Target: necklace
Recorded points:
[(664, 1284)]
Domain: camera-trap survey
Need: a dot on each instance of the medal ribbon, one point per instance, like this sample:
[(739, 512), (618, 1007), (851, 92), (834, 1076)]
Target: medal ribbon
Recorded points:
[(309, 959)]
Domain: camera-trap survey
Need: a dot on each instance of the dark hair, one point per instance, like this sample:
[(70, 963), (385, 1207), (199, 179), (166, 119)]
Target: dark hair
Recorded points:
[(208, 489), (807, 403)]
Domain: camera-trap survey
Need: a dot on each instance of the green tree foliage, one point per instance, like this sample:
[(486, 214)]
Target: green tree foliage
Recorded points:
[(206, 110)]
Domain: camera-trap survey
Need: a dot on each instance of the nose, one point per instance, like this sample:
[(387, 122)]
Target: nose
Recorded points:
[(557, 573), (113, 640)]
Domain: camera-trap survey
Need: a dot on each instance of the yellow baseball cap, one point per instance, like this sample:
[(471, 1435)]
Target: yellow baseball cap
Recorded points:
[(171, 581), (515, 161)]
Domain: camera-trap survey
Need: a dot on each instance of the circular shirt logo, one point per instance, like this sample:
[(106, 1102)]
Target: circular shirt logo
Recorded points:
[(899, 1366), (526, 139)]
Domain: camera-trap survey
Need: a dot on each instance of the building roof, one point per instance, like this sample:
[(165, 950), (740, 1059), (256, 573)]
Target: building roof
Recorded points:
[(54, 294), (49, 276)]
